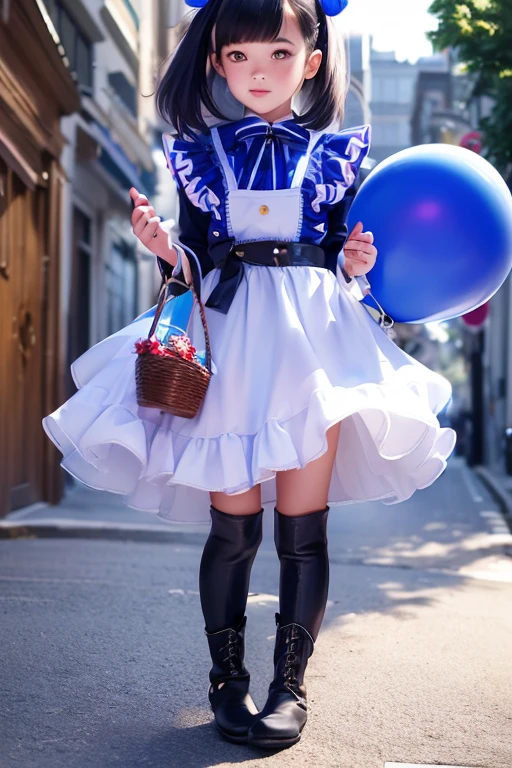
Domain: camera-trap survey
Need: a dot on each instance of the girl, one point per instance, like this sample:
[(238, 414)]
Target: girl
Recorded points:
[(311, 401)]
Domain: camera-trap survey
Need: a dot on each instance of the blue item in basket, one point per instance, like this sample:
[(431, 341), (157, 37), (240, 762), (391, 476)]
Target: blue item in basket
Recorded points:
[(174, 320), (176, 312)]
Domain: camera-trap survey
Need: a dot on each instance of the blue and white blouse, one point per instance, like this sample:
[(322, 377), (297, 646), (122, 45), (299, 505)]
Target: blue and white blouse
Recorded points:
[(252, 154)]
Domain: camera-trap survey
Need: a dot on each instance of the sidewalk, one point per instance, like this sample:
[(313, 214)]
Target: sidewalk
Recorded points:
[(93, 514), (500, 486), (86, 513)]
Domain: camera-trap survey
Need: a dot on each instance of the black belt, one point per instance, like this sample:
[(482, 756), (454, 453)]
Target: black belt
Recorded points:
[(267, 253)]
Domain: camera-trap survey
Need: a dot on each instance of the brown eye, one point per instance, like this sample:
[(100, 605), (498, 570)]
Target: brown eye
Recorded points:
[(281, 54), (236, 54)]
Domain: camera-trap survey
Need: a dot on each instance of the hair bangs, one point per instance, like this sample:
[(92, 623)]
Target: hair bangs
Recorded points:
[(248, 21)]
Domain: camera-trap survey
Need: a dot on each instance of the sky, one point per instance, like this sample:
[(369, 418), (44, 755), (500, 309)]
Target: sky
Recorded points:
[(398, 25)]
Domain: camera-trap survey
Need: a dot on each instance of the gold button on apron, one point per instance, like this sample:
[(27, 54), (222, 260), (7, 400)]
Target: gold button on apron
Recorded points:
[(263, 210)]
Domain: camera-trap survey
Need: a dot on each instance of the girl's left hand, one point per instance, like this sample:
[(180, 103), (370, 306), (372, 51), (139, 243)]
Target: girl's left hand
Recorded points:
[(360, 253)]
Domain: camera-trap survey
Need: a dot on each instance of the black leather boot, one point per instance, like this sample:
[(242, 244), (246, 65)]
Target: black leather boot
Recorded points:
[(224, 585), (229, 695), (301, 543), (284, 715)]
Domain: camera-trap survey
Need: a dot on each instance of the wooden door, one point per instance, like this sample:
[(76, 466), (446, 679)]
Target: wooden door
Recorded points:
[(22, 254)]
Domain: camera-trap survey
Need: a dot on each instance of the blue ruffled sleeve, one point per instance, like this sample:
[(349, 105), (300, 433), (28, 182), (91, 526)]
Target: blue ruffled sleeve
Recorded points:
[(187, 160), (334, 165), (195, 173)]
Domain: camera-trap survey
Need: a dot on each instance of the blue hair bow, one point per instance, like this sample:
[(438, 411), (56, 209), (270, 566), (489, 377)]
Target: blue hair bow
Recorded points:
[(331, 7)]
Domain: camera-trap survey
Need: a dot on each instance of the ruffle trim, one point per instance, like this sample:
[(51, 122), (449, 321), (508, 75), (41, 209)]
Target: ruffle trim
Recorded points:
[(191, 165), (332, 169), (334, 165), (382, 447)]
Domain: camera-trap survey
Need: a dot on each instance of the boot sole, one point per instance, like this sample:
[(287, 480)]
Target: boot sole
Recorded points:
[(274, 743), (232, 738), (271, 744)]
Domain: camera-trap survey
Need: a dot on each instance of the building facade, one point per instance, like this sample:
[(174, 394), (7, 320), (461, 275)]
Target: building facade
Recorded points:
[(113, 144), (392, 95), (36, 90), (439, 113), (78, 128), (114, 50), (357, 104)]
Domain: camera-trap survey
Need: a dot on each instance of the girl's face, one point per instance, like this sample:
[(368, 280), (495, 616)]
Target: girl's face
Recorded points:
[(264, 77)]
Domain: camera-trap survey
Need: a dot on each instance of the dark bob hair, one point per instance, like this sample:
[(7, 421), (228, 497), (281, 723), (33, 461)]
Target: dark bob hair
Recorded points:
[(184, 87)]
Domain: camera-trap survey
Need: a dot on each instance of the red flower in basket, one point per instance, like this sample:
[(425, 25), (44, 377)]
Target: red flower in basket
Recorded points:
[(183, 346), (143, 346), (177, 346)]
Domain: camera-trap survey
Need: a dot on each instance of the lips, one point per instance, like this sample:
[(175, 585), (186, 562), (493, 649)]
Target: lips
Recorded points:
[(259, 92)]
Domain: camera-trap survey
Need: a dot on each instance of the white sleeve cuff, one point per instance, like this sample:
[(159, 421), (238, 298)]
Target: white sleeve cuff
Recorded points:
[(178, 267), (356, 286)]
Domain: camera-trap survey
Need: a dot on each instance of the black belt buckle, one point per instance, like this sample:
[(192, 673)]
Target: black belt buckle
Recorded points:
[(281, 254)]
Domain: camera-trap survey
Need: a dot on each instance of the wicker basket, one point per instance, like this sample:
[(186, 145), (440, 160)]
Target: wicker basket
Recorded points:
[(173, 384)]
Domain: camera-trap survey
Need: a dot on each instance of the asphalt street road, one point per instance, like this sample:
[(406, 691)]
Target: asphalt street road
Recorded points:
[(104, 662)]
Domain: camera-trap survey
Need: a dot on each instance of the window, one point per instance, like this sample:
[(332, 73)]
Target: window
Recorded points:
[(125, 90), (394, 133), (405, 90), (121, 287), (78, 48), (390, 90)]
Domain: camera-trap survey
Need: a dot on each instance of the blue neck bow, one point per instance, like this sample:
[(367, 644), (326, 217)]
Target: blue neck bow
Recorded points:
[(287, 131)]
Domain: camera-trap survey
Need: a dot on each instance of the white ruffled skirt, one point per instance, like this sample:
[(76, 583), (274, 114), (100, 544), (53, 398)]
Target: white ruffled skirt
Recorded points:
[(295, 355)]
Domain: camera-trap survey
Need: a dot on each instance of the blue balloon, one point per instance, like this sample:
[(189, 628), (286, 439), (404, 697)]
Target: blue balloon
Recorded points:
[(442, 220)]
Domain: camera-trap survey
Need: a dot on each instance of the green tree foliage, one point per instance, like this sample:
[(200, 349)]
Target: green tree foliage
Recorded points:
[(481, 32)]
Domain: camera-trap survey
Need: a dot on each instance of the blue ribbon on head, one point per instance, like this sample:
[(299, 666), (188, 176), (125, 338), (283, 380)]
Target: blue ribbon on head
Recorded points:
[(331, 7)]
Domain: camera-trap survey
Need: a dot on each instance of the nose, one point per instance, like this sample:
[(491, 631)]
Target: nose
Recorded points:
[(258, 77)]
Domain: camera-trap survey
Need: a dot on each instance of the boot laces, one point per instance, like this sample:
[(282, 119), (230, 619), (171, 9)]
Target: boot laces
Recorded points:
[(232, 655), (292, 660)]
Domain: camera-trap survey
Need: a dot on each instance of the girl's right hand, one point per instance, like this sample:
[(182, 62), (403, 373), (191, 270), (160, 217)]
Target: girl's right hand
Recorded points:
[(146, 226)]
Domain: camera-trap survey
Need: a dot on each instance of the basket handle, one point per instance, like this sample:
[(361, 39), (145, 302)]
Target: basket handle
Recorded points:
[(206, 333), (162, 296), (160, 306)]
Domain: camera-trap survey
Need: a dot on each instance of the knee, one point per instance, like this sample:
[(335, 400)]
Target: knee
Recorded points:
[(303, 534), (240, 533)]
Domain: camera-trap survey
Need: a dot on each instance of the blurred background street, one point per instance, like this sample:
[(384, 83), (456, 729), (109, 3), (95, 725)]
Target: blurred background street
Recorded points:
[(104, 661)]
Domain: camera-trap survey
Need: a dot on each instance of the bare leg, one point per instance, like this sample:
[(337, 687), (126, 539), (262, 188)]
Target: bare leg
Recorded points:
[(247, 503), (301, 491)]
